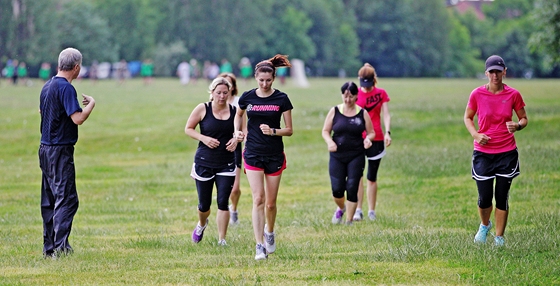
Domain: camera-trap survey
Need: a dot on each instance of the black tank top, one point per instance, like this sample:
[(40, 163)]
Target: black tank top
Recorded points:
[(347, 131), (221, 130)]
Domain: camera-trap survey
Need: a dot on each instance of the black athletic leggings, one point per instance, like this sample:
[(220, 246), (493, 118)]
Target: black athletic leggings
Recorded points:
[(373, 167), (345, 173), (224, 184), (486, 192)]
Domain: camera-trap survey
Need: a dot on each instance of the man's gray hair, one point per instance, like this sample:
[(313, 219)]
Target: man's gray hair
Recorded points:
[(69, 58)]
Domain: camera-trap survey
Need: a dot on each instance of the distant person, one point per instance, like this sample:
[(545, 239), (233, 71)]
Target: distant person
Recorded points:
[(147, 71), (375, 101), (226, 67), (206, 70), (8, 71), (60, 116), (233, 99), (122, 71), (495, 153), (282, 72), (23, 74), (195, 70), (93, 73), (184, 72), (344, 127), (264, 157), (45, 71), (13, 72), (214, 161), (213, 71), (245, 68)]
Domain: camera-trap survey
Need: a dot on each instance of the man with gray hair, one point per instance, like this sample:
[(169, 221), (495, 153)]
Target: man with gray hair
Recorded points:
[(60, 116)]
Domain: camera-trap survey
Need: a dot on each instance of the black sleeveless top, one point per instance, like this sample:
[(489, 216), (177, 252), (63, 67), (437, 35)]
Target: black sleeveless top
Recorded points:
[(221, 130), (348, 131)]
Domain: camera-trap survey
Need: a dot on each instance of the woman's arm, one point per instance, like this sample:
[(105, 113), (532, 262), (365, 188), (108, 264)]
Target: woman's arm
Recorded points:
[(469, 123), (287, 130), (196, 116), (522, 121), (238, 125), (387, 123), (370, 134), (327, 129)]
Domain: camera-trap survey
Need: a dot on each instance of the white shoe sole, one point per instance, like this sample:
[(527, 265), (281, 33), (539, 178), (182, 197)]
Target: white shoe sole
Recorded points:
[(260, 257)]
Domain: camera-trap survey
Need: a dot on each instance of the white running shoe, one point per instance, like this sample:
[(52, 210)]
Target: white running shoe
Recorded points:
[(233, 216), (371, 215), (358, 215), (222, 242), (269, 242), (261, 252)]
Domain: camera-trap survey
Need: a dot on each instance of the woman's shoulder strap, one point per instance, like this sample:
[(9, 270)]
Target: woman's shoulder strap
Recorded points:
[(341, 107)]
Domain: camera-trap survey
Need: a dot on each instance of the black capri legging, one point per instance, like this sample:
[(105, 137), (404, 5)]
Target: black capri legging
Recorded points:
[(486, 168), (345, 171), (205, 179)]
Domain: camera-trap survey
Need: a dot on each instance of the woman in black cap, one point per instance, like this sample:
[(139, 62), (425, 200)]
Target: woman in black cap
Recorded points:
[(347, 123), (375, 101), (495, 155)]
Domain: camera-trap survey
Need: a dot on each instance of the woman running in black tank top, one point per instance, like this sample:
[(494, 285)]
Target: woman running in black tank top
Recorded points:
[(214, 162), (347, 122)]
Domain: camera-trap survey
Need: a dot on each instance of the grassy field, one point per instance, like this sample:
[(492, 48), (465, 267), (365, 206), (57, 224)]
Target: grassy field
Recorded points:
[(138, 203)]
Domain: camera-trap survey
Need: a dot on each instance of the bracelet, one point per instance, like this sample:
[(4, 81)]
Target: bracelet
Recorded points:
[(519, 126), (388, 132)]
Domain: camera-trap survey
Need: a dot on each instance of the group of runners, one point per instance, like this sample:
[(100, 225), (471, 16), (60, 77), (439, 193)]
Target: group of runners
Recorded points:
[(258, 119)]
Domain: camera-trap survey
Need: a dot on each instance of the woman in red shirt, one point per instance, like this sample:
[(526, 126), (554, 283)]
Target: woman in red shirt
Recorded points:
[(375, 101)]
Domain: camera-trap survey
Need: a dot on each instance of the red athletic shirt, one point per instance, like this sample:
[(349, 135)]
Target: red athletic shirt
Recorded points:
[(371, 101), (493, 111)]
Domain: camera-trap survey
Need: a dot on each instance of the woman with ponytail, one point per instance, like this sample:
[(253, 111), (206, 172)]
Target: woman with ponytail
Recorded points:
[(263, 156), (375, 101)]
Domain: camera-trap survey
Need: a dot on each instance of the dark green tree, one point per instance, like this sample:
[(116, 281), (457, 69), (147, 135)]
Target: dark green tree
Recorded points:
[(290, 35), (464, 60), (334, 37), (403, 37), (133, 25), (85, 31), (546, 36)]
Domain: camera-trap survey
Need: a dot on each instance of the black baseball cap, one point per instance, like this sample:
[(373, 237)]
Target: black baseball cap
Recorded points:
[(366, 82), (495, 63)]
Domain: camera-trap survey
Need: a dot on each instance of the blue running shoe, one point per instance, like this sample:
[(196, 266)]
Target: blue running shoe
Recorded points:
[(499, 241), (480, 236)]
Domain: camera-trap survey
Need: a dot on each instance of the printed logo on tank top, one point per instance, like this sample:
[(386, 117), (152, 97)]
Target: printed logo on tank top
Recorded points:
[(263, 108), (355, 121), (373, 101)]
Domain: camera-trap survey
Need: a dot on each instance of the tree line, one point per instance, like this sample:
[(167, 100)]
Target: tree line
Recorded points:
[(400, 38)]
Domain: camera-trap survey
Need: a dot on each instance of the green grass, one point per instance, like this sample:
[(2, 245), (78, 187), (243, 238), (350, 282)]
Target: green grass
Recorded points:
[(138, 203)]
